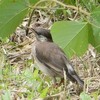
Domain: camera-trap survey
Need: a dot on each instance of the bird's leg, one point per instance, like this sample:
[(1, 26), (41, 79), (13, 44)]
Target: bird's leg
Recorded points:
[(55, 84), (62, 81)]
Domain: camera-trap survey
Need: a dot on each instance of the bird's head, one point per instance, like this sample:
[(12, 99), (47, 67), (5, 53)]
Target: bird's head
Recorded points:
[(42, 34)]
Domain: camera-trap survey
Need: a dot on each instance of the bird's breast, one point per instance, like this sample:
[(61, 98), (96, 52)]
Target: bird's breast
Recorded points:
[(40, 65)]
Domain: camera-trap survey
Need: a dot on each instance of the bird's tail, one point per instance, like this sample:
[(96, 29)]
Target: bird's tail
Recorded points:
[(76, 78), (72, 75)]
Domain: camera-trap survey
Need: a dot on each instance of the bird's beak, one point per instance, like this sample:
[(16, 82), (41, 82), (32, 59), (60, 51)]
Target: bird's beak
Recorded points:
[(33, 30)]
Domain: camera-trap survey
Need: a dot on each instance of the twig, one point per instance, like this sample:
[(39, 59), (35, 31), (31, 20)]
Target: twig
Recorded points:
[(72, 7), (27, 30), (58, 2)]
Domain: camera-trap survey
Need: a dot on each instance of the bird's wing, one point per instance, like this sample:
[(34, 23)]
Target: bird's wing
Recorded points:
[(54, 58), (51, 55)]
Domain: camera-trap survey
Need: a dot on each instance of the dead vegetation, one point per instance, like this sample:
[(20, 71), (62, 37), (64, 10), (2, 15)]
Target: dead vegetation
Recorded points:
[(17, 65)]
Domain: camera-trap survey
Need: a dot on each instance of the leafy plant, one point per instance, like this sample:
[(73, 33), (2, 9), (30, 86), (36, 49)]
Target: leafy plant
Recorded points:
[(77, 26), (73, 37), (13, 12), (85, 96)]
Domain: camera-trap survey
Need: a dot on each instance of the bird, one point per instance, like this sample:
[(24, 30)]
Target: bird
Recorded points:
[(51, 59)]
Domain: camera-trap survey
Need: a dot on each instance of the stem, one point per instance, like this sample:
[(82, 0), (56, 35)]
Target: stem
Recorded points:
[(58, 2), (27, 30), (65, 6), (72, 7)]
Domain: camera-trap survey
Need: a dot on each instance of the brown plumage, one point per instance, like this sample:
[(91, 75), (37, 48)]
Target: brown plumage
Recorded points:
[(52, 60)]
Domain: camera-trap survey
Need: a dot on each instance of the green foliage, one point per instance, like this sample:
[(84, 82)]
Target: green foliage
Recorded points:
[(89, 4), (85, 96), (95, 94), (72, 2), (13, 12), (33, 1), (36, 75), (11, 15), (6, 95), (95, 22), (44, 92), (73, 36)]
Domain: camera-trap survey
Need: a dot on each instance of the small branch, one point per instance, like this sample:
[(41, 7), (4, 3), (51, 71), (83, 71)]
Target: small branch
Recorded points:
[(58, 2), (72, 7), (27, 30), (65, 6)]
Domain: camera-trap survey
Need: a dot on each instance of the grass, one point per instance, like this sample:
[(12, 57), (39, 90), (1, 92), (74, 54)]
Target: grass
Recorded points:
[(19, 80)]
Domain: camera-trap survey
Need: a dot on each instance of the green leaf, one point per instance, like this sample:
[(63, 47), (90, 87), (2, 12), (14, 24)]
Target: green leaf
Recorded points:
[(71, 36), (12, 13), (44, 92), (40, 87), (95, 16), (28, 75), (35, 74), (85, 2), (85, 96), (71, 2), (96, 32), (89, 4), (6, 95), (95, 19), (95, 94), (91, 37), (33, 1)]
